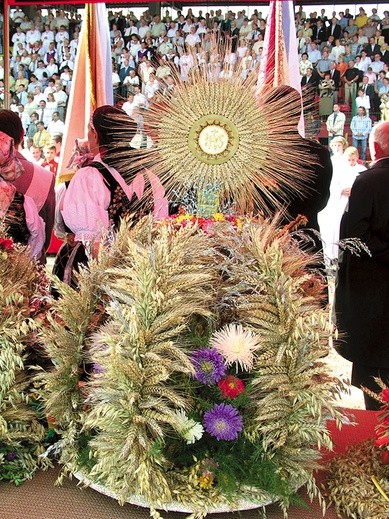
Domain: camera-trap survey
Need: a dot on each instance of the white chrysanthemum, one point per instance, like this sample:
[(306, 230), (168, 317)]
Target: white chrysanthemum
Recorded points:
[(236, 345), (190, 430)]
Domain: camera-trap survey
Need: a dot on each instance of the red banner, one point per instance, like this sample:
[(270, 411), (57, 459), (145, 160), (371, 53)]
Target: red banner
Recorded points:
[(44, 4)]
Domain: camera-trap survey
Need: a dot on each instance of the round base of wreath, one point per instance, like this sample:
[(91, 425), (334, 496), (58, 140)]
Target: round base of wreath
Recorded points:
[(174, 506)]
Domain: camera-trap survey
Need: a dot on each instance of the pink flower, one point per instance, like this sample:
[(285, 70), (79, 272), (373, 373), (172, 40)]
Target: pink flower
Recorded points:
[(236, 345)]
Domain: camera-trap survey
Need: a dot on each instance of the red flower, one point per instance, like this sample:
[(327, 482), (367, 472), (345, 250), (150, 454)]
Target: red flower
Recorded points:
[(6, 244), (231, 387), (385, 395)]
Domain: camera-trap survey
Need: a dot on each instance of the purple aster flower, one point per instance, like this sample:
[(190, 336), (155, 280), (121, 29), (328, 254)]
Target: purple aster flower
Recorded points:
[(11, 455), (98, 368), (223, 422), (209, 366)]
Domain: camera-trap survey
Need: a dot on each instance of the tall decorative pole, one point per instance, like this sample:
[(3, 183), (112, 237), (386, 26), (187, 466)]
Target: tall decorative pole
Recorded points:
[(6, 55)]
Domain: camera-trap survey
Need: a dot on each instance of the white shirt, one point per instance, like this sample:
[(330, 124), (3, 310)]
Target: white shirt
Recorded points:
[(192, 39), (141, 100), (18, 37), (56, 127), (129, 107), (32, 36), (47, 37), (151, 88), (39, 73), (61, 97), (142, 31), (377, 66)]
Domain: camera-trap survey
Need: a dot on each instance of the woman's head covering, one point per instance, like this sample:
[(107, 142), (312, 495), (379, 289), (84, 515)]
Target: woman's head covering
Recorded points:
[(10, 166)]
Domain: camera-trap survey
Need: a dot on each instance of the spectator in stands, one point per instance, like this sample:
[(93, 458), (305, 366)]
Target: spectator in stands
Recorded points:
[(44, 113), (31, 104), (368, 89), (372, 48), (384, 89), (377, 64), (56, 126), (335, 76), (304, 64), (61, 97), (129, 105), (40, 71), (351, 77), (326, 90), (323, 65), (32, 126), (319, 33), (385, 53), (360, 128), (362, 39), (361, 18), (364, 62), (139, 98), (56, 140), (42, 136), (49, 161), (371, 76), (335, 124), (363, 100), (337, 50), (23, 116)]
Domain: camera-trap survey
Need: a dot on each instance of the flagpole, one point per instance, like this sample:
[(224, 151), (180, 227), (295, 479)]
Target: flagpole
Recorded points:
[(6, 55)]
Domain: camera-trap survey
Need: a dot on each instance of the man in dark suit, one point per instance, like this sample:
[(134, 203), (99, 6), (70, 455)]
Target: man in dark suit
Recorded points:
[(319, 33), (309, 85), (310, 78), (362, 292), (120, 22), (385, 53), (335, 76), (124, 71), (334, 29), (368, 89), (372, 47)]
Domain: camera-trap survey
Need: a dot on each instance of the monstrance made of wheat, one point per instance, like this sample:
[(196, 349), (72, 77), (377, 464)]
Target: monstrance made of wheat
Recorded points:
[(220, 141)]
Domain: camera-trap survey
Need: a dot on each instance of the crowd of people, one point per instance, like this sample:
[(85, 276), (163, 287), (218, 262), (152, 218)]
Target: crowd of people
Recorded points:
[(343, 59), (346, 59)]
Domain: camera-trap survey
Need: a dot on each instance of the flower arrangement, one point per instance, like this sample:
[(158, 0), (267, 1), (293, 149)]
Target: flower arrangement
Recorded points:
[(206, 224), (187, 367), (23, 297)]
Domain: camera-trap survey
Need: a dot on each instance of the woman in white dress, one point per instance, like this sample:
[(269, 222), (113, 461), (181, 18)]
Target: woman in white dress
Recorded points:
[(346, 168)]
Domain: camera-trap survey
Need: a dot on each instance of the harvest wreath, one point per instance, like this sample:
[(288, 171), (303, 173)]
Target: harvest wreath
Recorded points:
[(187, 367)]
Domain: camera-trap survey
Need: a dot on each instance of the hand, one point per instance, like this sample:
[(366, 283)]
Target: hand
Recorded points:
[(346, 191)]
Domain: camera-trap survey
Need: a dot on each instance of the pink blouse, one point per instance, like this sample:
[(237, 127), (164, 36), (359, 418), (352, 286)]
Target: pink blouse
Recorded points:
[(86, 201)]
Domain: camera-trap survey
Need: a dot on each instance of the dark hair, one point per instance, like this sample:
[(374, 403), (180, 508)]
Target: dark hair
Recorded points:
[(104, 119), (57, 138), (11, 125)]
